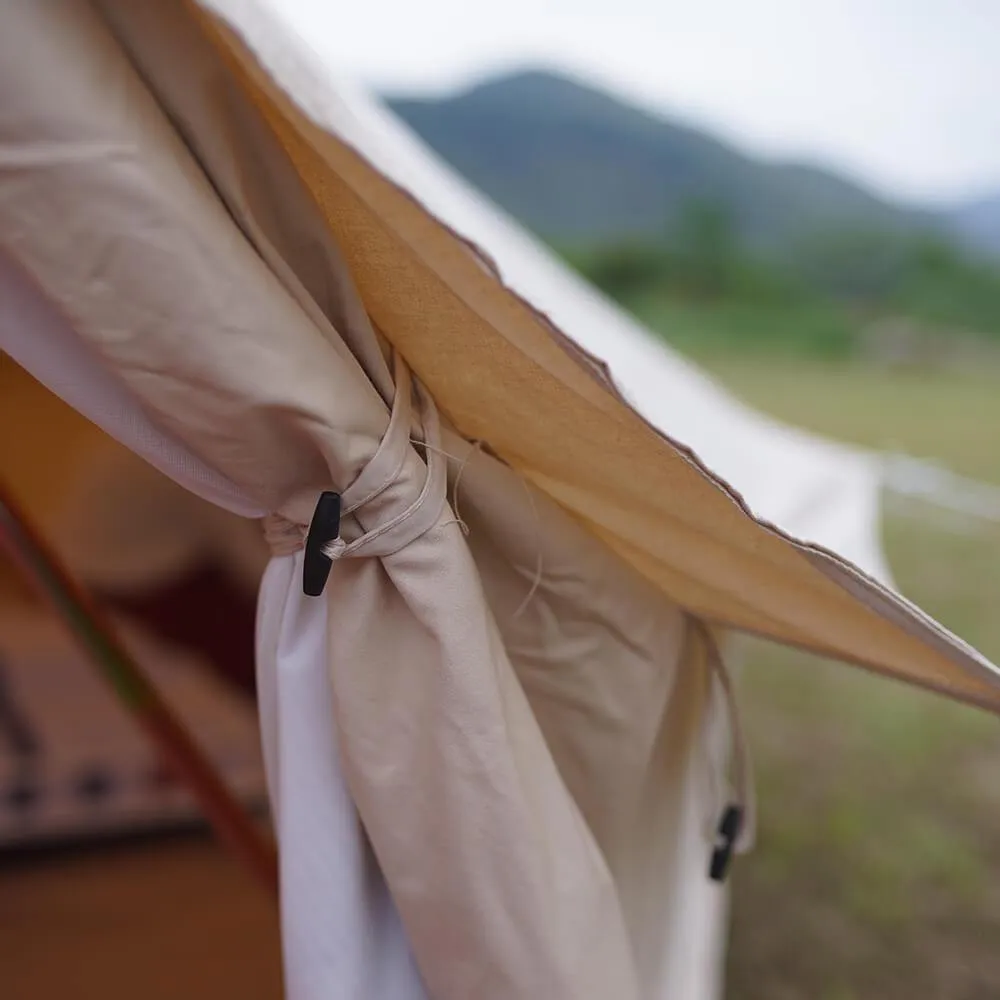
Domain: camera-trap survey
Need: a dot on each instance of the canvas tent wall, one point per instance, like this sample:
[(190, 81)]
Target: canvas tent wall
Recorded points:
[(206, 256)]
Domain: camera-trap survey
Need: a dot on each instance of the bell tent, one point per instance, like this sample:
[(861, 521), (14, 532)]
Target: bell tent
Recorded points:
[(507, 545)]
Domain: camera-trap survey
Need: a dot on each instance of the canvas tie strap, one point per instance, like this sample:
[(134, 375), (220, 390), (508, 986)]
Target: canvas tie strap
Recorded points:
[(401, 508), (737, 827)]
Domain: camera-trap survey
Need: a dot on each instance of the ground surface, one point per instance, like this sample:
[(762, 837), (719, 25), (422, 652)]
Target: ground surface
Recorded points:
[(167, 919), (877, 873)]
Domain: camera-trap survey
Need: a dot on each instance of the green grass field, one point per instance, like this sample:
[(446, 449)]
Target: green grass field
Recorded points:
[(877, 872)]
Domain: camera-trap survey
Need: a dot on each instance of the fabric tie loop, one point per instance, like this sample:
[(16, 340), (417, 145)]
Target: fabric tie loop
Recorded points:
[(382, 492)]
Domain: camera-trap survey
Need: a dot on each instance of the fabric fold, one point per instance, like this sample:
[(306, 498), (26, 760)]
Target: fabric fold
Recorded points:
[(397, 518), (497, 878), (558, 413), (491, 742)]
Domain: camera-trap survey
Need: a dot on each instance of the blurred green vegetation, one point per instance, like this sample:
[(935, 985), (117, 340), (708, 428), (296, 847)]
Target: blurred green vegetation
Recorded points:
[(877, 869), (816, 297)]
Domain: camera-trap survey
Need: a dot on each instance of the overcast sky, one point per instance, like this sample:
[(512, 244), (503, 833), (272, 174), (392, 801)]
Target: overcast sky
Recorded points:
[(903, 94)]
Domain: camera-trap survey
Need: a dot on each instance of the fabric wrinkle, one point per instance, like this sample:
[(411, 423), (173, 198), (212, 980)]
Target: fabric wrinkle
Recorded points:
[(407, 518)]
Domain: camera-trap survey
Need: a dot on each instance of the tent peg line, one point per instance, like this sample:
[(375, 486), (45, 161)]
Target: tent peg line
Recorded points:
[(230, 821)]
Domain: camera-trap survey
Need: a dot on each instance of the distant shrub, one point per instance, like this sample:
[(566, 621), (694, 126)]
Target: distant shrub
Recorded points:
[(813, 297)]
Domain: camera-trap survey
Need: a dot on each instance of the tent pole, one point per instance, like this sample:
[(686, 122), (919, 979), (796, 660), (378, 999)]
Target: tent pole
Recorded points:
[(74, 606)]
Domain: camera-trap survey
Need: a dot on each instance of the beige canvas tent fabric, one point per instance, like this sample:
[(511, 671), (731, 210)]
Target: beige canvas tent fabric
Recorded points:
[(533, 775), (503, 374), (492, 861)]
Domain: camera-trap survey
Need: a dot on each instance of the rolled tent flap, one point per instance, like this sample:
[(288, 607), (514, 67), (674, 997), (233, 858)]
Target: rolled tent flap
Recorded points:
[(201, 262), (221, 312), (503, 373)]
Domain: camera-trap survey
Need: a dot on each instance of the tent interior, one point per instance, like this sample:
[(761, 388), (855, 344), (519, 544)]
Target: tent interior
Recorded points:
[(110, 883)]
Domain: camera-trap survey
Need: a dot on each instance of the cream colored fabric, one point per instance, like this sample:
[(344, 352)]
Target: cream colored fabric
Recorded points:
[(508, 885), (504, 374), (534, 776)]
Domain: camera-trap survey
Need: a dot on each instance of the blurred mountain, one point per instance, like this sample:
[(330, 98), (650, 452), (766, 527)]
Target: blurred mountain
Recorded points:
[(578, 165), (977, 224)]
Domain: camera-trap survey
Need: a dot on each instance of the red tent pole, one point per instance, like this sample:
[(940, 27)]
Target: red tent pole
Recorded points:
[(85, 620)]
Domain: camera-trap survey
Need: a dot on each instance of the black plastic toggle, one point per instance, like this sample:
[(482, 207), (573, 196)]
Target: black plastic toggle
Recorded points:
[(323, 529), (725, 843)]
